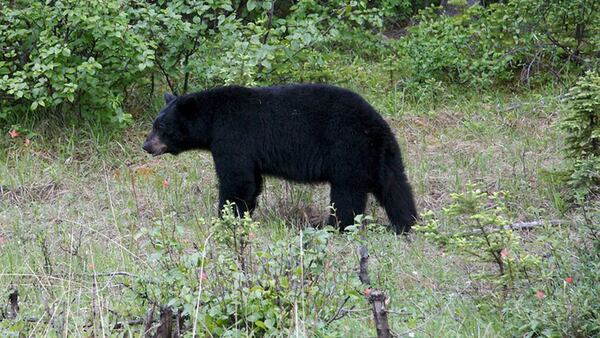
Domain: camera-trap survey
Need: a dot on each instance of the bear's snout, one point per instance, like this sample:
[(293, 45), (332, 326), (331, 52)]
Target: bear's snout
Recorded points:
[(154, 146)]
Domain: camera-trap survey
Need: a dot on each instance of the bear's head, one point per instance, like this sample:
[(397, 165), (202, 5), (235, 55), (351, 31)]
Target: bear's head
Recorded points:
[(179, 127)]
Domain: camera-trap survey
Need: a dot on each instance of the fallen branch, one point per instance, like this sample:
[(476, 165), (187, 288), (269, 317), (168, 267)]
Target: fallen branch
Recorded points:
[(376, 297), (517, 226), (531, 225), (121, 325)]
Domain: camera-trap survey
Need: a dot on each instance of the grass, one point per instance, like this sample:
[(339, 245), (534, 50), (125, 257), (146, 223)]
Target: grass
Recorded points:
[(74, 201)]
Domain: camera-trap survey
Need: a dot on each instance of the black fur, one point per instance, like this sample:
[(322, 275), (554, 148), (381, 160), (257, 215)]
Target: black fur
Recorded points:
[(303, 133)]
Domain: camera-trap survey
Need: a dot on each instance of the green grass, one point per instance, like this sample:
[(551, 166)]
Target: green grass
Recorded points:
[(73, 202)]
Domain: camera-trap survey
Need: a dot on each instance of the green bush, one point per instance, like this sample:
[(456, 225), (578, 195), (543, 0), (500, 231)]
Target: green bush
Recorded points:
[(475, 226), (582, 126), (548, 284), (62, 56), (519, 39), (235, 285), (478, 48), (564, 299)]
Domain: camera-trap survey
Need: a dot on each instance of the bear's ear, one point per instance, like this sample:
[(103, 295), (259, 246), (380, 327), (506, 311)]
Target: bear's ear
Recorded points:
[(169, 98), (187, 105)]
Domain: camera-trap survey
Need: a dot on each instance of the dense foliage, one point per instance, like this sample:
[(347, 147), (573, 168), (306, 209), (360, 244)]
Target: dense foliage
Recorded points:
[(60, 56), (67, 57), (234, 285), (95, 61), (516, 40)]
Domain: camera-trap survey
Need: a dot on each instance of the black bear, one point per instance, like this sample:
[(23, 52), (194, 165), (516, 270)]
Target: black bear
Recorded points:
[(303, 133)]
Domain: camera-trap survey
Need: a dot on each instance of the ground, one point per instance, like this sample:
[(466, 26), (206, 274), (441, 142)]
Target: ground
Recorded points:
[(72, 208)]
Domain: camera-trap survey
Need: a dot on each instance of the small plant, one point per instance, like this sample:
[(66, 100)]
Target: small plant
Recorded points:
[(582, 125), (564, 300), (475, 226), (234, 284)]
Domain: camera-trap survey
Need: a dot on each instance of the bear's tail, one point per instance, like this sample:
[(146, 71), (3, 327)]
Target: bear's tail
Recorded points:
[(394, 192)]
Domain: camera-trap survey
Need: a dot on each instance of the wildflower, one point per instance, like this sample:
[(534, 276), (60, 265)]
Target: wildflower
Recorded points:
[(14, 133), (27, 142), (569, 280), (165, 183), (540, 294), (504, 253), (203, 276)]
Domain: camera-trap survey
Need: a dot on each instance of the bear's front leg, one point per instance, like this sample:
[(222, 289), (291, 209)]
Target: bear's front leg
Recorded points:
[(240, 185)]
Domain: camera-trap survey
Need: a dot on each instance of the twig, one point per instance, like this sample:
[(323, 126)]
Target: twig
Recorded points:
[(13, 298), (363, 273), (120, 325), (149, 320), (165, 327), (340, 312), (169, 83), (378, 298)]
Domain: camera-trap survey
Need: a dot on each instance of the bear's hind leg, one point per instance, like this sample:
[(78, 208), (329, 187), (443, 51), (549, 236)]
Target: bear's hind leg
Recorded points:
[(347, 202), (395, 196)]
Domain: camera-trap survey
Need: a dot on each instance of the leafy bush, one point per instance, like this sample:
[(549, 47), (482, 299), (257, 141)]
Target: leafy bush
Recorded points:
[(200, 43), (486, 46), (467, 48), (62, 56), (548, 284), (582, 125), (235, 285)]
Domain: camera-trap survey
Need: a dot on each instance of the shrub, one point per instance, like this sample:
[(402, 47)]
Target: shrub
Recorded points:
[(482, 47), (548, 283), (64, 57), (564, 300), (582, 126), (468, 48), (248, 287), (475, 226)]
